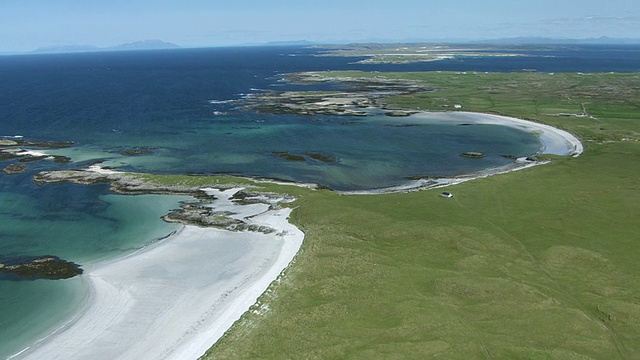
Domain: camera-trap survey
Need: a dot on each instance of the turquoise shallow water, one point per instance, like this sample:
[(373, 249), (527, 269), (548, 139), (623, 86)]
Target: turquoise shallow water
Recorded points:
[(374, 152), (32, 309), (80, 223)]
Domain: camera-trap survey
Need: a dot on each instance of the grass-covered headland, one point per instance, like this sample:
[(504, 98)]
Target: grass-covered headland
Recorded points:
[(538, 263)]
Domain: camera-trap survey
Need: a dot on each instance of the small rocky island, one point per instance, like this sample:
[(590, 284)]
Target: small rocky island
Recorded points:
[(14, 150), (305, 157), (42, 267), (13, 169), (354, 97), (472, 154), (139, 151)]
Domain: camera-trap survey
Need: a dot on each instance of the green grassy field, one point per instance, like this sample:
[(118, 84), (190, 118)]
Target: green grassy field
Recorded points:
[(540, 263)]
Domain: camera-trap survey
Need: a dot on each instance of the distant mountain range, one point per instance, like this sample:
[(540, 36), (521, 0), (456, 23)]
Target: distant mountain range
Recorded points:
[(137, 45), (159, 44)]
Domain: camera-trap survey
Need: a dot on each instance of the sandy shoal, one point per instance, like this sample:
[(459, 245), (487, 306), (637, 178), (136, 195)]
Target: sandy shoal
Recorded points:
[(175, 298)]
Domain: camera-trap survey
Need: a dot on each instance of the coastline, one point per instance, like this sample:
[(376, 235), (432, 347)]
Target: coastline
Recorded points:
[(554, 142), (176, 297), (148, 314), (572, 218)]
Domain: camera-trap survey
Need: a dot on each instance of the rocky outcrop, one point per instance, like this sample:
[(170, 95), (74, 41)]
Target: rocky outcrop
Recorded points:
[(139, 151), (288, 156), (472, 154), (122, 183), (43, 267), (37, 144), (204, 216), (13, 169), (359, 94), (197, 212), (305, 157), (321, 157), (15, 150)]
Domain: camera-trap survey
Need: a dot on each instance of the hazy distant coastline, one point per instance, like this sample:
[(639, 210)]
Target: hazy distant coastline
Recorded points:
[(137, 45), (161, 45)]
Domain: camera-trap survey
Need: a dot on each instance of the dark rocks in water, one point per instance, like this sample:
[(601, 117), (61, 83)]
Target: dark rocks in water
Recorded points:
[(42, 267), (321, 157), (11, 149), (61, 159), (402, 125), (4, 155), (136, 152), (147, 150), (305, 157), (46, 144), (13, 169), (289, 157), (472, 154), (513, 157), (38, 144), (32, 158)]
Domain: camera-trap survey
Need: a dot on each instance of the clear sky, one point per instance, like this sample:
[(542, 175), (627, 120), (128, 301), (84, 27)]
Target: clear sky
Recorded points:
[(28, 24)]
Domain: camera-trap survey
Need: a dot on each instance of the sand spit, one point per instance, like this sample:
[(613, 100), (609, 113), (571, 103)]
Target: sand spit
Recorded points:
[(177, 297)]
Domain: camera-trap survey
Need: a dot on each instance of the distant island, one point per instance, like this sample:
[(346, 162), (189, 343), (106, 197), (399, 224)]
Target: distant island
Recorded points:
[(132, 46)]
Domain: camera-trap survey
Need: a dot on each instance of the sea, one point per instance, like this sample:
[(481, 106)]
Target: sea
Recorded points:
[(183, 109)]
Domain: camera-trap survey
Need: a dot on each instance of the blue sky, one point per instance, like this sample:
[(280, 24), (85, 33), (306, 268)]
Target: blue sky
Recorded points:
[(29, 24)]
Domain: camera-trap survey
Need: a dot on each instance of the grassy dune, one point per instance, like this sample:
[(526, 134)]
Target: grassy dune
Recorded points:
[(539, 263)]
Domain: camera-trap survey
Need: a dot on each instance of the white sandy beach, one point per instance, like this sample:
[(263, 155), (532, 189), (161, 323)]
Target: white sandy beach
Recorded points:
[(555, 141), (177, 297)]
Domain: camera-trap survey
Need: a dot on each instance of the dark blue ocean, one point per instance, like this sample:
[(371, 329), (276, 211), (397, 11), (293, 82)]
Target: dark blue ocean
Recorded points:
[(180, 105)]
